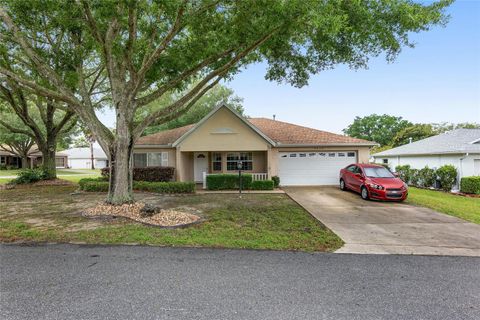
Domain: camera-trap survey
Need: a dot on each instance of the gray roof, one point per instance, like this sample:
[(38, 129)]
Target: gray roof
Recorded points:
[(455, 141), (84, 153)]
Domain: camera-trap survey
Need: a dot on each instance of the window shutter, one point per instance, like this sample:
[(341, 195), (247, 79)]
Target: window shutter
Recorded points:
[(164, 159)]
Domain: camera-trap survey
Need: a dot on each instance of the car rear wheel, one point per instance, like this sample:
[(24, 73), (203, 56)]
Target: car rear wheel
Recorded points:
[(342, 185), (364, 193)]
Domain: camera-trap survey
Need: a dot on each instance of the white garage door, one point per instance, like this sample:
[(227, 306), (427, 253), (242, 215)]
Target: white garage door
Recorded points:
[(313, 168)]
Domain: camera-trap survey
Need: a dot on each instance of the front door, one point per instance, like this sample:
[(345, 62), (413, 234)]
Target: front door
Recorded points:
[(200, 165)]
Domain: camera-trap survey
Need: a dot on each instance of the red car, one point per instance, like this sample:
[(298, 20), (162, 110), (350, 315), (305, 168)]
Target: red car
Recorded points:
[(373, 182)]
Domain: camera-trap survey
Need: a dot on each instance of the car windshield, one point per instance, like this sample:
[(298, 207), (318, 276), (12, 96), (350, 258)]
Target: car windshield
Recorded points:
[(378, 173)]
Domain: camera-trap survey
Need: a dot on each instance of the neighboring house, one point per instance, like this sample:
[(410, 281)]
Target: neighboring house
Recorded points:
[(34, 159), (460, 148), (80, 158), (298, 155)]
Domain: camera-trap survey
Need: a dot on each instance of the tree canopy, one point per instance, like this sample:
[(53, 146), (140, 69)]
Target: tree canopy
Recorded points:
[(378, 128), (140, 50)]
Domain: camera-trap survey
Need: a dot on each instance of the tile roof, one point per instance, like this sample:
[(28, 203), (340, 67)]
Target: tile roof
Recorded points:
[(455, 141), (282, 133)]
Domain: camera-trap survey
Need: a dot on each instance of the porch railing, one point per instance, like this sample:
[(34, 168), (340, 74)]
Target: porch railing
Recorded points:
[(255, 176)]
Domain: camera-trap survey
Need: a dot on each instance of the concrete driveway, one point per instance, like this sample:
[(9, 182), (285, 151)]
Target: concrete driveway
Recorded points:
[(387, 228)]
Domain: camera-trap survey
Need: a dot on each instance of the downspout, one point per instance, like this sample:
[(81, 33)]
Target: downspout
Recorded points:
[(460, 174)]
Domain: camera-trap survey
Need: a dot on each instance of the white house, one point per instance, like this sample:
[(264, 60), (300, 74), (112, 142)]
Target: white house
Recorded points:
[(460, 148), (80, 158)]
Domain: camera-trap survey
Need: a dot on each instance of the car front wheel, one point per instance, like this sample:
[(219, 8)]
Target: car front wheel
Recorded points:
[(364, 193), (342, 185)]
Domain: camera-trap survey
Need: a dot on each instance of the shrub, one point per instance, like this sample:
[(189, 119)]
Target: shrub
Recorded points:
[(262, 185), (93, 184), (447, 175), (414, 177), (276, 181), (470, 185), (3, 166), (30, 176), (427, 177), (101, 185), (165, 187), (228, 181), (404, 173), (153, 174)]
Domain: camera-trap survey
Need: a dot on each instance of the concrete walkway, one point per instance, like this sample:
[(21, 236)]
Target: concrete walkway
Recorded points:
[(387, 228)]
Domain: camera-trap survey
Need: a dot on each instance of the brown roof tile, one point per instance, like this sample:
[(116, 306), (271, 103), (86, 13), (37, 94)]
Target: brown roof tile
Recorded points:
[(278, 131)]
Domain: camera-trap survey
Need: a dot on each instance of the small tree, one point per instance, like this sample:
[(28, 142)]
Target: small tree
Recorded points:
[(413, 133)]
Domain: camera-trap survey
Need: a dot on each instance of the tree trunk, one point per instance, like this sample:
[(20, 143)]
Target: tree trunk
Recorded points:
[(48, 161), (121, 160), (121, 165), (24, 162), (92, 158)]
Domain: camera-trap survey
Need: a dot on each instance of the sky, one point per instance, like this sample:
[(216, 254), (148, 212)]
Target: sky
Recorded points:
[(437, 81)]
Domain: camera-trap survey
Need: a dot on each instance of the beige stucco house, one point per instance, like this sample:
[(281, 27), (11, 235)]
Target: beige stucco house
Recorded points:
[(298, 155)]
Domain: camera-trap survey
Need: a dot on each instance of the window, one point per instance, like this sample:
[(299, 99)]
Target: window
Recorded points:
[(352, 169), (216, 161), (331, 154), (3, 160), (341, 154), (139, 160), (322, 154), (351, 154), (150, 159), (154, 159), (312, 154), (234, 157), (302, 155), (284, 155), (385, 161), (293, 155)]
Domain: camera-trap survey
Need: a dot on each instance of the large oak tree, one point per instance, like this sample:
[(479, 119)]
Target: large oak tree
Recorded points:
[(148, 48)]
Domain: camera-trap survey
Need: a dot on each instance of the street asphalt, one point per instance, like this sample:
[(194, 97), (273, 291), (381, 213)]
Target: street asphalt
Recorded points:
[(136, 282)]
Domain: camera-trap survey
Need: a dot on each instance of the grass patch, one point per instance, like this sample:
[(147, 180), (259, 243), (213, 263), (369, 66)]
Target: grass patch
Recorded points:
[(458, 206), (257, 221)]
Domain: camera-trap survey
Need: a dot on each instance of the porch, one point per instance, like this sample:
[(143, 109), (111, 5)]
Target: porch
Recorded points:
[(195, 166)]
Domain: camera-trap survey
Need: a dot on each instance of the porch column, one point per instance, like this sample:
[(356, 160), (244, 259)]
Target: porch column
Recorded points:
[(179, 176)]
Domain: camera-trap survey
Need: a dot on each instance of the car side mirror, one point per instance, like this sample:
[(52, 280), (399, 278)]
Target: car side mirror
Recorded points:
[(396, 174)]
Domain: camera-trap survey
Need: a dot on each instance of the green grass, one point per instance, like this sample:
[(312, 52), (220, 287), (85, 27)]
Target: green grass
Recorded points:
[(257, 221), (65, 174), (462, 207), (60, 172)]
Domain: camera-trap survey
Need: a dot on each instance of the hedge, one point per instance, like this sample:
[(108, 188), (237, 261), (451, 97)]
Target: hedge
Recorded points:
[(152, 174), (100, 185), (228, 181), (30, 175), (262, 185), (470, 185), (404, 173)]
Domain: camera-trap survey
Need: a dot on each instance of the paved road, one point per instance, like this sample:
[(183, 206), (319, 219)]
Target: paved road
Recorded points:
[(81, 282), (386, 227)]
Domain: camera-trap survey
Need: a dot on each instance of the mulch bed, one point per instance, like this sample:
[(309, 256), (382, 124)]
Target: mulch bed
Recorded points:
[(145, 214), (41, 183)]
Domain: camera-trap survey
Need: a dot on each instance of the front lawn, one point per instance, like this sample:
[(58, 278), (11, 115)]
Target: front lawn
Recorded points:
[(257, 221), (66, 174), (458, 206)]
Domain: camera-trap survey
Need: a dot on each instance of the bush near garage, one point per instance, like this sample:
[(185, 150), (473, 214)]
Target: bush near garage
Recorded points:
[(262, 185), (447, 175), (101, 185), (152, 174), (276, 181), (228, 181), (404, 173), (470, 185), (426, 177)]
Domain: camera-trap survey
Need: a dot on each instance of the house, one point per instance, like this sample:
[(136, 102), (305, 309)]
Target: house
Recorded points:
[(267, 148), (81, 158), (460, 148), (10, 159)]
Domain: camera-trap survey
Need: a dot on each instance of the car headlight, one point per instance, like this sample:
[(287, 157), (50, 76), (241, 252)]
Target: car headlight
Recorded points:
[(376, 186)]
